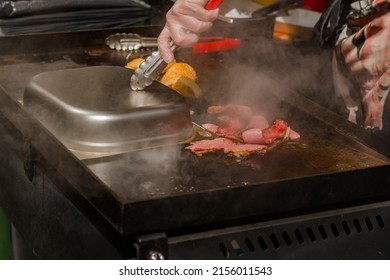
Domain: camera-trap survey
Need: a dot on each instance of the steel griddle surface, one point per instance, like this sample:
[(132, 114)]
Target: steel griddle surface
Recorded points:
[(171, 170), (325, 167), (168, 188)]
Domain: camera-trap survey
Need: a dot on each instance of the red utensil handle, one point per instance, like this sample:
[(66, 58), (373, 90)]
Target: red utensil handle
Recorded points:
[(213, 4), (216, 44)]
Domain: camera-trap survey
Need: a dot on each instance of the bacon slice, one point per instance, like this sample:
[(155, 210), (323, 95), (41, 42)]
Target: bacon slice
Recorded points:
[(210, 127), (293, 135), (276, 131), (232, 127), (253, 136), (206, 146), (235, 119), (229, 147), (258, 121), (215, 109), (240, 125)]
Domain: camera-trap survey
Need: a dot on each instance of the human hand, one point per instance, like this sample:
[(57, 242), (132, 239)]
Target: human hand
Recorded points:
[(377, 3), (367, 55), (185, 21)]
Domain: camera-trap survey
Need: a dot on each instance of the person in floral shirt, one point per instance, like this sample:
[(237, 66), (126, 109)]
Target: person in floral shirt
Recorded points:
[(362, 64)]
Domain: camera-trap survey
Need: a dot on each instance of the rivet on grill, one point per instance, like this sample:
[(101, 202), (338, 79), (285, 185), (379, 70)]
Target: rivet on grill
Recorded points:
[(153, 255)]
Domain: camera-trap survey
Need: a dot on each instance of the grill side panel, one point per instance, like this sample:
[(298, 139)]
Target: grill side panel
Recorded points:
[(353, 233)]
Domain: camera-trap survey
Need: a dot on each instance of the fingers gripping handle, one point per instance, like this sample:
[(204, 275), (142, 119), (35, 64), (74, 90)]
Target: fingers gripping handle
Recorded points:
[(213, 4), (153, 65)]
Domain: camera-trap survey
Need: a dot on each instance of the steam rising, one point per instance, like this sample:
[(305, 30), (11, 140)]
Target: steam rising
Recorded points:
[(262, 67), (251, 75)]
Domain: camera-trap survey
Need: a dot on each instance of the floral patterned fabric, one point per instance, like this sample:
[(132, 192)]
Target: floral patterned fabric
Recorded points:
[(363, 48)]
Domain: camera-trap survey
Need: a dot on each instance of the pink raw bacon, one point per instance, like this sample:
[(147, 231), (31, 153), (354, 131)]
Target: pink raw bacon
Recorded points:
[(276, 131), (267, 135), (293, 135), (210, 127), (229, 147), (258, 121), (242, 133), (253, 136), (235, 119), (206, 146), (231, 128)]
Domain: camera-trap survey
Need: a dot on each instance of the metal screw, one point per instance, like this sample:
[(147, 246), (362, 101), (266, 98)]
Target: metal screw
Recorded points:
[(154, 255)]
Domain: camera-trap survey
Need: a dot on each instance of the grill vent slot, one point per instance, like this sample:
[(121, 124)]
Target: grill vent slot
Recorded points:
[(346, 228), (287, 238), (380, 222), (295, 237), (334, 229), (357, 225), (311, 234), (274, 241), (249, 245), (224, 250), (299, 236), (369, 223), (262, 243), (322, 231)]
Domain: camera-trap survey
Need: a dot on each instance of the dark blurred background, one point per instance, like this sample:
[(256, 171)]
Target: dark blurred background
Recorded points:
[(36, 16)]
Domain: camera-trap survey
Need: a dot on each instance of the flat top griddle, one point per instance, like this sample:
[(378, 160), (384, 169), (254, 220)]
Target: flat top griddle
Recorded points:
[(325, 167), (168, 188)]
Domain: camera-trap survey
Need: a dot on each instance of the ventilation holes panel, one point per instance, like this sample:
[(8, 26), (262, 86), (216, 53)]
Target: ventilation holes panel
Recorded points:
[(299, 236)]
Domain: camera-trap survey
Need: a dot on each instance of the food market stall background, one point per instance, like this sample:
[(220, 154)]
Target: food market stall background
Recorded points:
[(325, 197)]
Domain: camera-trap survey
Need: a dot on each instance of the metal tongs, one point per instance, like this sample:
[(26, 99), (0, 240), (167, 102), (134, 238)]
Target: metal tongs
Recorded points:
[(130, 42), (135, 44), (154, 64)]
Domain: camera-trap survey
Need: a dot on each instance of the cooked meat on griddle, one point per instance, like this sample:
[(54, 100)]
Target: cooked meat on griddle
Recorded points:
[(266, 135), (242, 135), (293, 135), (210, 127), (206, 146), (227, 146), (231, 128), (258, 121), (235, 119), (253, 136)]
